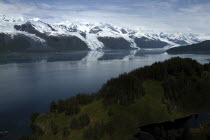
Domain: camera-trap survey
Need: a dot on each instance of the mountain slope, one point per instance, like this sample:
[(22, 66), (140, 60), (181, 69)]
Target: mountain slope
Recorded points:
[(18, 42), (69, 36), (59, 42), (203, 47)]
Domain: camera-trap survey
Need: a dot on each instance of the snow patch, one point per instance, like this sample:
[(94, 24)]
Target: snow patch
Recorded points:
[(89, 33)]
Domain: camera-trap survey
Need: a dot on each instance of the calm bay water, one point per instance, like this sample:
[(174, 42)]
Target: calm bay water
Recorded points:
[(29, 82)]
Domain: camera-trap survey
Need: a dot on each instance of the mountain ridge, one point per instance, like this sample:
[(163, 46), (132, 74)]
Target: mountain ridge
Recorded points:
[(89, 36)]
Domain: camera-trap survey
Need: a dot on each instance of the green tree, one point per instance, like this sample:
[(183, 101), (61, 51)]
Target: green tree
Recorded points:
[(61, 106), (78, 123), (54, 127), (33, 117), (72, 106), (84, 120), (84, 99), (65, 132), (53, 107)]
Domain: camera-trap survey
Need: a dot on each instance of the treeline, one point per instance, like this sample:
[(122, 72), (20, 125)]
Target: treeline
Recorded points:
[(207, 67), (199, 48), (186, 84), (189, 92), (123, 90), (71, 106), (184, 81), (172, 67), (78, 122), (126, 88), (75, 123)]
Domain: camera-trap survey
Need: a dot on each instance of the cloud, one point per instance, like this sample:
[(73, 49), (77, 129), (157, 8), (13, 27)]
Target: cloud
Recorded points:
[(167, 15), (174, 0), (153, 4), (197, 8)]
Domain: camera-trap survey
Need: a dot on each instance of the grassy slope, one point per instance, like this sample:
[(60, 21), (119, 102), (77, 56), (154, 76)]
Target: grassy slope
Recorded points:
[(148, 109)]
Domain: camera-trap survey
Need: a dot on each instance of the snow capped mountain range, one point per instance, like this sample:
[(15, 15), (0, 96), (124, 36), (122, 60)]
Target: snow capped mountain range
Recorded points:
[(80, 36)]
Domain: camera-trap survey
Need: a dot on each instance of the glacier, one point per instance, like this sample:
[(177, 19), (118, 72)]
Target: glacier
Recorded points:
[(90, 33)]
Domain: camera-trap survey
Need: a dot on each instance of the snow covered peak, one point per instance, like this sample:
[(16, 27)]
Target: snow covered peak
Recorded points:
[(4, 18), (91, 32), (35, 19)]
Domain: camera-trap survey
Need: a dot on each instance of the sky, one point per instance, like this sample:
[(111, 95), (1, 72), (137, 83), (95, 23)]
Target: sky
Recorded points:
[(162, 15)]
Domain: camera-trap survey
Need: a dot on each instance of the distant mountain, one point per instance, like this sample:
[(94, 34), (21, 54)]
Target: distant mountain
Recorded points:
[(18, 34), (203, 47)]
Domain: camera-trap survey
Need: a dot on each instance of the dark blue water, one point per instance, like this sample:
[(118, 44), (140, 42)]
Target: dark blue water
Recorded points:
[(29, 82)]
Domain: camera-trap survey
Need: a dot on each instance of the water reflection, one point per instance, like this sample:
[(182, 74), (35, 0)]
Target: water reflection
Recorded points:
[(93, 56), (29, 82), (84, 56), (75, 56)]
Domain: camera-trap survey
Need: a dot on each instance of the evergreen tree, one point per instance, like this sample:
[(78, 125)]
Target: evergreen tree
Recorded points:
[(53, 107), (54, 127), (65, 132), (33, 117), (61, 106)]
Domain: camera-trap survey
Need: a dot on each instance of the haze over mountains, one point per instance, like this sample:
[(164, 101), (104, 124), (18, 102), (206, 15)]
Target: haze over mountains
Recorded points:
[(19, 35)]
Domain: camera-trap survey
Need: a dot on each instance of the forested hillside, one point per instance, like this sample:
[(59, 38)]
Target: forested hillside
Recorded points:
[(199, 48), (160, 92)]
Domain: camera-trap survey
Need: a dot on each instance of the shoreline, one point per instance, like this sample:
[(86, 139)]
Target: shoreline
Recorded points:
[(3, 133)]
